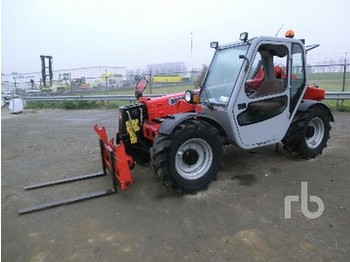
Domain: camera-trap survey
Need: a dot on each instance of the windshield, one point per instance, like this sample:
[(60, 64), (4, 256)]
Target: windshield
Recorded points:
[(222, 75)]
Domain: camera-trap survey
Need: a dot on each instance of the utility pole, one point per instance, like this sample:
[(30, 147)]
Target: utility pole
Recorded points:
[(191, 54), (191, 46)]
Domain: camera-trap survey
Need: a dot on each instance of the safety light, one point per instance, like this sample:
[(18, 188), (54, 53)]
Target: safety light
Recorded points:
[(243, 36), (214, 45), (289, 34)]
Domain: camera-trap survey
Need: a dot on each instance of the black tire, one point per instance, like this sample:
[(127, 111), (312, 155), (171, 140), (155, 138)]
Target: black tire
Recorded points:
[(308, 134), (188, 159)]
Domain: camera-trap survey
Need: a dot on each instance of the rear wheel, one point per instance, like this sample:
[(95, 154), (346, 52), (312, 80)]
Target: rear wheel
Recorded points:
[(309, 132), (190, 158)]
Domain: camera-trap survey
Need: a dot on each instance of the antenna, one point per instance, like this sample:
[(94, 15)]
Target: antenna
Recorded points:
[(278, 31)]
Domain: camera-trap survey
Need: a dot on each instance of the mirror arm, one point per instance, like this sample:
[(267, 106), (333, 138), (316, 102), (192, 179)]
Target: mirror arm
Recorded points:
[(138, 94), (248, 62)]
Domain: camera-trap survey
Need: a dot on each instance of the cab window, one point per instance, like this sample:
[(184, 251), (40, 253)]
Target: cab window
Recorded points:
[(298, 75), (268, 72)]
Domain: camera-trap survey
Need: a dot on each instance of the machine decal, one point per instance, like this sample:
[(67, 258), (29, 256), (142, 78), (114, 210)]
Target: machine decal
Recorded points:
[(132, 126)]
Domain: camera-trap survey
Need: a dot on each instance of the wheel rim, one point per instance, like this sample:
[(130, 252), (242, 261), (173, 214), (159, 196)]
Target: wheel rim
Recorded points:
[(193, 159), (314, 132)]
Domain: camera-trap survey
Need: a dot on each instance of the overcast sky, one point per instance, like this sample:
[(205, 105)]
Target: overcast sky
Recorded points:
[(134, 33)]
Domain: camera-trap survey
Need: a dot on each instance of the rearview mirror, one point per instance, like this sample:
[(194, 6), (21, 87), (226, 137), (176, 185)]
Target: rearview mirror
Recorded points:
[(142, 84)]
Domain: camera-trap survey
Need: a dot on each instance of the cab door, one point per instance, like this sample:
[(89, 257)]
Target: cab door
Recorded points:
[(261, 110)]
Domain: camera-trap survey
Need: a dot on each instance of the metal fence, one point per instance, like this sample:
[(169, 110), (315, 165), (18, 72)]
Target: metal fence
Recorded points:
[(334, 77), (86, 98), (329, 96), (337, 95)]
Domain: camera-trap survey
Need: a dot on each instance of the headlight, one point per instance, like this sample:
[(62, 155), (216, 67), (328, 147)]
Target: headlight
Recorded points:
[(191, 97), (188, 96)]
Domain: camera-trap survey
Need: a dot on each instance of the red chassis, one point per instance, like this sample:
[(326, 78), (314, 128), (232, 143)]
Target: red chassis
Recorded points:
[(119, 163)]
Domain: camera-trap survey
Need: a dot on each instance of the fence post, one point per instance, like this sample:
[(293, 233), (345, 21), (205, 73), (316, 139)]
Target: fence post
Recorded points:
[(344, 77), (150, 80)]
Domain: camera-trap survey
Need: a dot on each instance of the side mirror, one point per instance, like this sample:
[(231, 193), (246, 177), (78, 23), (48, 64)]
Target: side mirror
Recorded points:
[(142, 84)]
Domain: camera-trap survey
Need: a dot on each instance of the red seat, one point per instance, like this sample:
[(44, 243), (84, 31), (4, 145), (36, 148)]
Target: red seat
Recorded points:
[(256, 82)]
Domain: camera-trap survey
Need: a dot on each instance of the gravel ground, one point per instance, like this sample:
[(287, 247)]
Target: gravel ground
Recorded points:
[(239, 218)]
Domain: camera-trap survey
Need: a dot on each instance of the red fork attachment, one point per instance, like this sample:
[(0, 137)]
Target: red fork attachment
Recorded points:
[(115, 160)]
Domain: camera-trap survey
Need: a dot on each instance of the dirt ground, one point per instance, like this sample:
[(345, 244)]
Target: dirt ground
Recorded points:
[(240, 217)]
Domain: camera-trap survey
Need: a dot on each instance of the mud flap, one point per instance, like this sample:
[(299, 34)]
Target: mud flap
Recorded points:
[(115, 160)]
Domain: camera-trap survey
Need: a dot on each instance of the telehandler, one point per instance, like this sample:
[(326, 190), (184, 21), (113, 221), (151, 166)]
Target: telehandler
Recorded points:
[(254, 94)]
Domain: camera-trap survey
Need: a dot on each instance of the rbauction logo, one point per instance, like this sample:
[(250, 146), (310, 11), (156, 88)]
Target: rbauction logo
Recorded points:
[(304, 203)]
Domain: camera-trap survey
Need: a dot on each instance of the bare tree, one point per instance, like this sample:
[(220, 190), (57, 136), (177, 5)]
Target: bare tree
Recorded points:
[(199, 79)]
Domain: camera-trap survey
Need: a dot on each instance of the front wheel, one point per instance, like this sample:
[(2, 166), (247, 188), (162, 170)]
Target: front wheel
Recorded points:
[(309, 132), (190, 158)]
